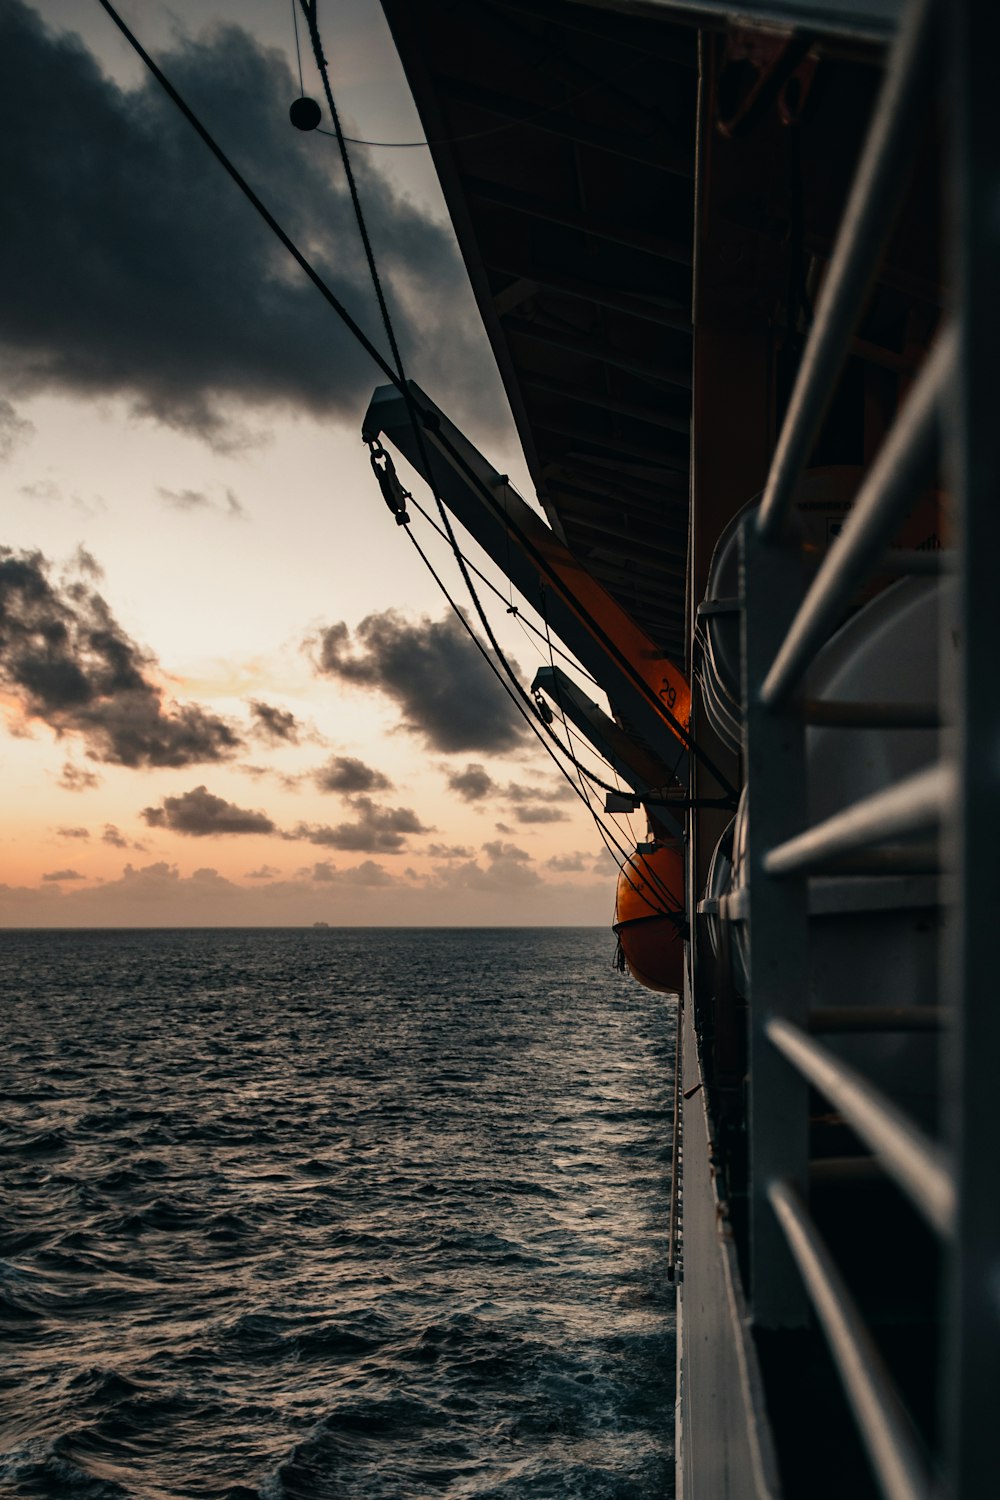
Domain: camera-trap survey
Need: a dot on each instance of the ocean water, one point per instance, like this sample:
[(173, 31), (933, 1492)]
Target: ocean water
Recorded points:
[(333, 1213)]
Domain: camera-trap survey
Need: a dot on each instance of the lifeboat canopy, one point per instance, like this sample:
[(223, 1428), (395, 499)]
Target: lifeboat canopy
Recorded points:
[(649, 916)]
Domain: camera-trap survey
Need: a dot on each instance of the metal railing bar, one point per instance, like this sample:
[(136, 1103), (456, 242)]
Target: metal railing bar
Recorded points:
[(904, 461), (832, 1020), (916, 1163), (877, 191), (844, 715), (923, 858), (885, 1426), (918, 804)]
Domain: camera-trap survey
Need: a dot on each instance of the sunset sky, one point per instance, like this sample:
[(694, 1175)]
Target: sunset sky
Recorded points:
[(230, 692)]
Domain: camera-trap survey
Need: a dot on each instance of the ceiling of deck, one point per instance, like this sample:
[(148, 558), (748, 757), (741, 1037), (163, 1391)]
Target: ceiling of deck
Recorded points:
[(564, 139)]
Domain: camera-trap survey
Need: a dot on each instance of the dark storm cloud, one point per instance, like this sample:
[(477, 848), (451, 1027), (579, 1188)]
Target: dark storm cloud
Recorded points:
[(201, 814), (69, 663), (76, 779), (446, 691), (375, 830), (142, 271), (275, 725), (473, 784), (58, 875), (345, 773)]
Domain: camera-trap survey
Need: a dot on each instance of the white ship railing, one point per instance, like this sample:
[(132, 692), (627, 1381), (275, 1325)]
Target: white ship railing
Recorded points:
[(953, 415)]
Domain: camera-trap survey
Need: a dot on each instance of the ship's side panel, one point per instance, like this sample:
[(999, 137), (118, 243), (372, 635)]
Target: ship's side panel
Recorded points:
[(725, 1449)]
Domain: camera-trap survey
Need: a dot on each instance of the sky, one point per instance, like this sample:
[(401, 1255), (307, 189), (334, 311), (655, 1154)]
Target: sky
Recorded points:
[(231, 694)]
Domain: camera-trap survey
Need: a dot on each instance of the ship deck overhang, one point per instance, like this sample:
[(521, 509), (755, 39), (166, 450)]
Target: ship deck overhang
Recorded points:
[(564, 139)]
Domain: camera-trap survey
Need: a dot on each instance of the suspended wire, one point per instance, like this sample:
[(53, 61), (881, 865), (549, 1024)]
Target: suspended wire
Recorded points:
[(566, 750), (298, 53), (324, 290), (652, 877), (624, 859), (623, 856), (524, 623)]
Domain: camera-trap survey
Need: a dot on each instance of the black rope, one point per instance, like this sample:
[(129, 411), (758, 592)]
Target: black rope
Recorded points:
[(511, 609), (298, 54), (623, 857), (248, 192)]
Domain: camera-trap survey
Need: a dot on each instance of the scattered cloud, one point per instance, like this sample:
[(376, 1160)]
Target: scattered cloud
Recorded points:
[(142, 272), (368, 872), (73, 833), (263, 872), (448, 851), (446, 691), (473, 784), (495, 850), (503, 828), (184, 499), (191, 500), (277, 726), (114, 837), (559, 791), (345, 773), (14, 430), (200, 814), (534, 813), (375, 830), (60, 875), (70, 664), (41, 489), (569, 864), (77, 778), (530, 803), (507, 870)]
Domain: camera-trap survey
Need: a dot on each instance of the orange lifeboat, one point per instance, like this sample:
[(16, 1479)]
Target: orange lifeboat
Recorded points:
[(649, 917)]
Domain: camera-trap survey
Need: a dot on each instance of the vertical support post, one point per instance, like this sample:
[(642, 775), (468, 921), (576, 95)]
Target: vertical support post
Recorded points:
[(777, 916), (972, 1374)]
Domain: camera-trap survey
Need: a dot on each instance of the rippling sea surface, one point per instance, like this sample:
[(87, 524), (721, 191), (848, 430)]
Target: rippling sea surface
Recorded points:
[(311, 1213)]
